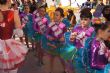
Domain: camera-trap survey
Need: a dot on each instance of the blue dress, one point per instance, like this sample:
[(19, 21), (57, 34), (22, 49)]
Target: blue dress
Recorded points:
[(107, 68), (68, 51), (66, 22), (28, 29), (98, 59), (48, 17), (80, 43), (86, 56), (49, 49), (43, 36), (55, 51)]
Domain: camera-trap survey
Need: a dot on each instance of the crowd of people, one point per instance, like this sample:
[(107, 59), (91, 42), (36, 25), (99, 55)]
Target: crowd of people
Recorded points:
[(82, 46)]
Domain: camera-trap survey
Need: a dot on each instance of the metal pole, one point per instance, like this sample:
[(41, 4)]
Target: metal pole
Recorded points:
[(70, 2)]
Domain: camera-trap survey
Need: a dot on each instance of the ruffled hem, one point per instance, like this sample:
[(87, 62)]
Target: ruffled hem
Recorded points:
[(12, 54), (14, 67), (11, 60)]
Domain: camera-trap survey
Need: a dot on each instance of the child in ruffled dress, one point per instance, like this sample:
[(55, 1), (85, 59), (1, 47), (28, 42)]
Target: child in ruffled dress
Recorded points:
[(41, 20), (99, 52), (78, 36), (12, 53), (55, 38), (27, 23)]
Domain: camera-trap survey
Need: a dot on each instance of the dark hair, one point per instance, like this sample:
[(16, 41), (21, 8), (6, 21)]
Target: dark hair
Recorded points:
[(25, 6), (12, 5), (18, 3), (70, 11), (101, 26), (85, 9), (61, 11), (43, 7), (86, 14), (34, 0), (107, 43), (3, 2), (69, 16), (103, 11), (107, 16)]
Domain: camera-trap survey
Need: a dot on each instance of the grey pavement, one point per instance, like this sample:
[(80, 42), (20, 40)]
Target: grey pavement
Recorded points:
[(31, 65)]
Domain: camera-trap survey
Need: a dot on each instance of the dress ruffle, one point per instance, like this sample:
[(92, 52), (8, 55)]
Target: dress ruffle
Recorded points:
[(12, 53)]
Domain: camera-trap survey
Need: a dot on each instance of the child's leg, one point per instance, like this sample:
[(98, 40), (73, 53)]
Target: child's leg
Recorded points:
[(31, 40), (14, 36), (40, 53), (36, 48), (26, 40), (63, 63), (40, 56), (33, 44), (69, 67), (52, 58), (21, 39)]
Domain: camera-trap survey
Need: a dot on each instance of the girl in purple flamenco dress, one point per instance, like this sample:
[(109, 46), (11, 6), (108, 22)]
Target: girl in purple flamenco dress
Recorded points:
[(78, 37), (99, 52)]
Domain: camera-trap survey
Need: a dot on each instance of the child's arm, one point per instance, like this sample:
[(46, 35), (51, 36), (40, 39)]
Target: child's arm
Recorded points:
[(107, 54), (18, 31), (62, 39), (17, 20), (73, 36)]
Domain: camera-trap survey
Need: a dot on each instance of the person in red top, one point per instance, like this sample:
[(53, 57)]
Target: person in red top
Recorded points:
[(12, 53)]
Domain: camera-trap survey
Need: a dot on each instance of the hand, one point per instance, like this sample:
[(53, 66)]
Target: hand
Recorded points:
[(81, 35), (18, 32), (62, 39), (51, 38), (40, 32), (73, 36), (51, 45), (102, 48), (109, 39), (109, 59), (107, 54)]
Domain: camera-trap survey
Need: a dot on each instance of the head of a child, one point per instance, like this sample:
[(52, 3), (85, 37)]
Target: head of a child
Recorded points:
[(100, 1), (85, 18), (106, 12), (70, 14), (3, 2), (42, 11), (102, 31), (26, 8), (15, 6), (59, 14)]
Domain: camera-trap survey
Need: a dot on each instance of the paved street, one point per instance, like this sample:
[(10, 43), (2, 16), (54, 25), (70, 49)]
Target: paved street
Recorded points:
[(31, 65)]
